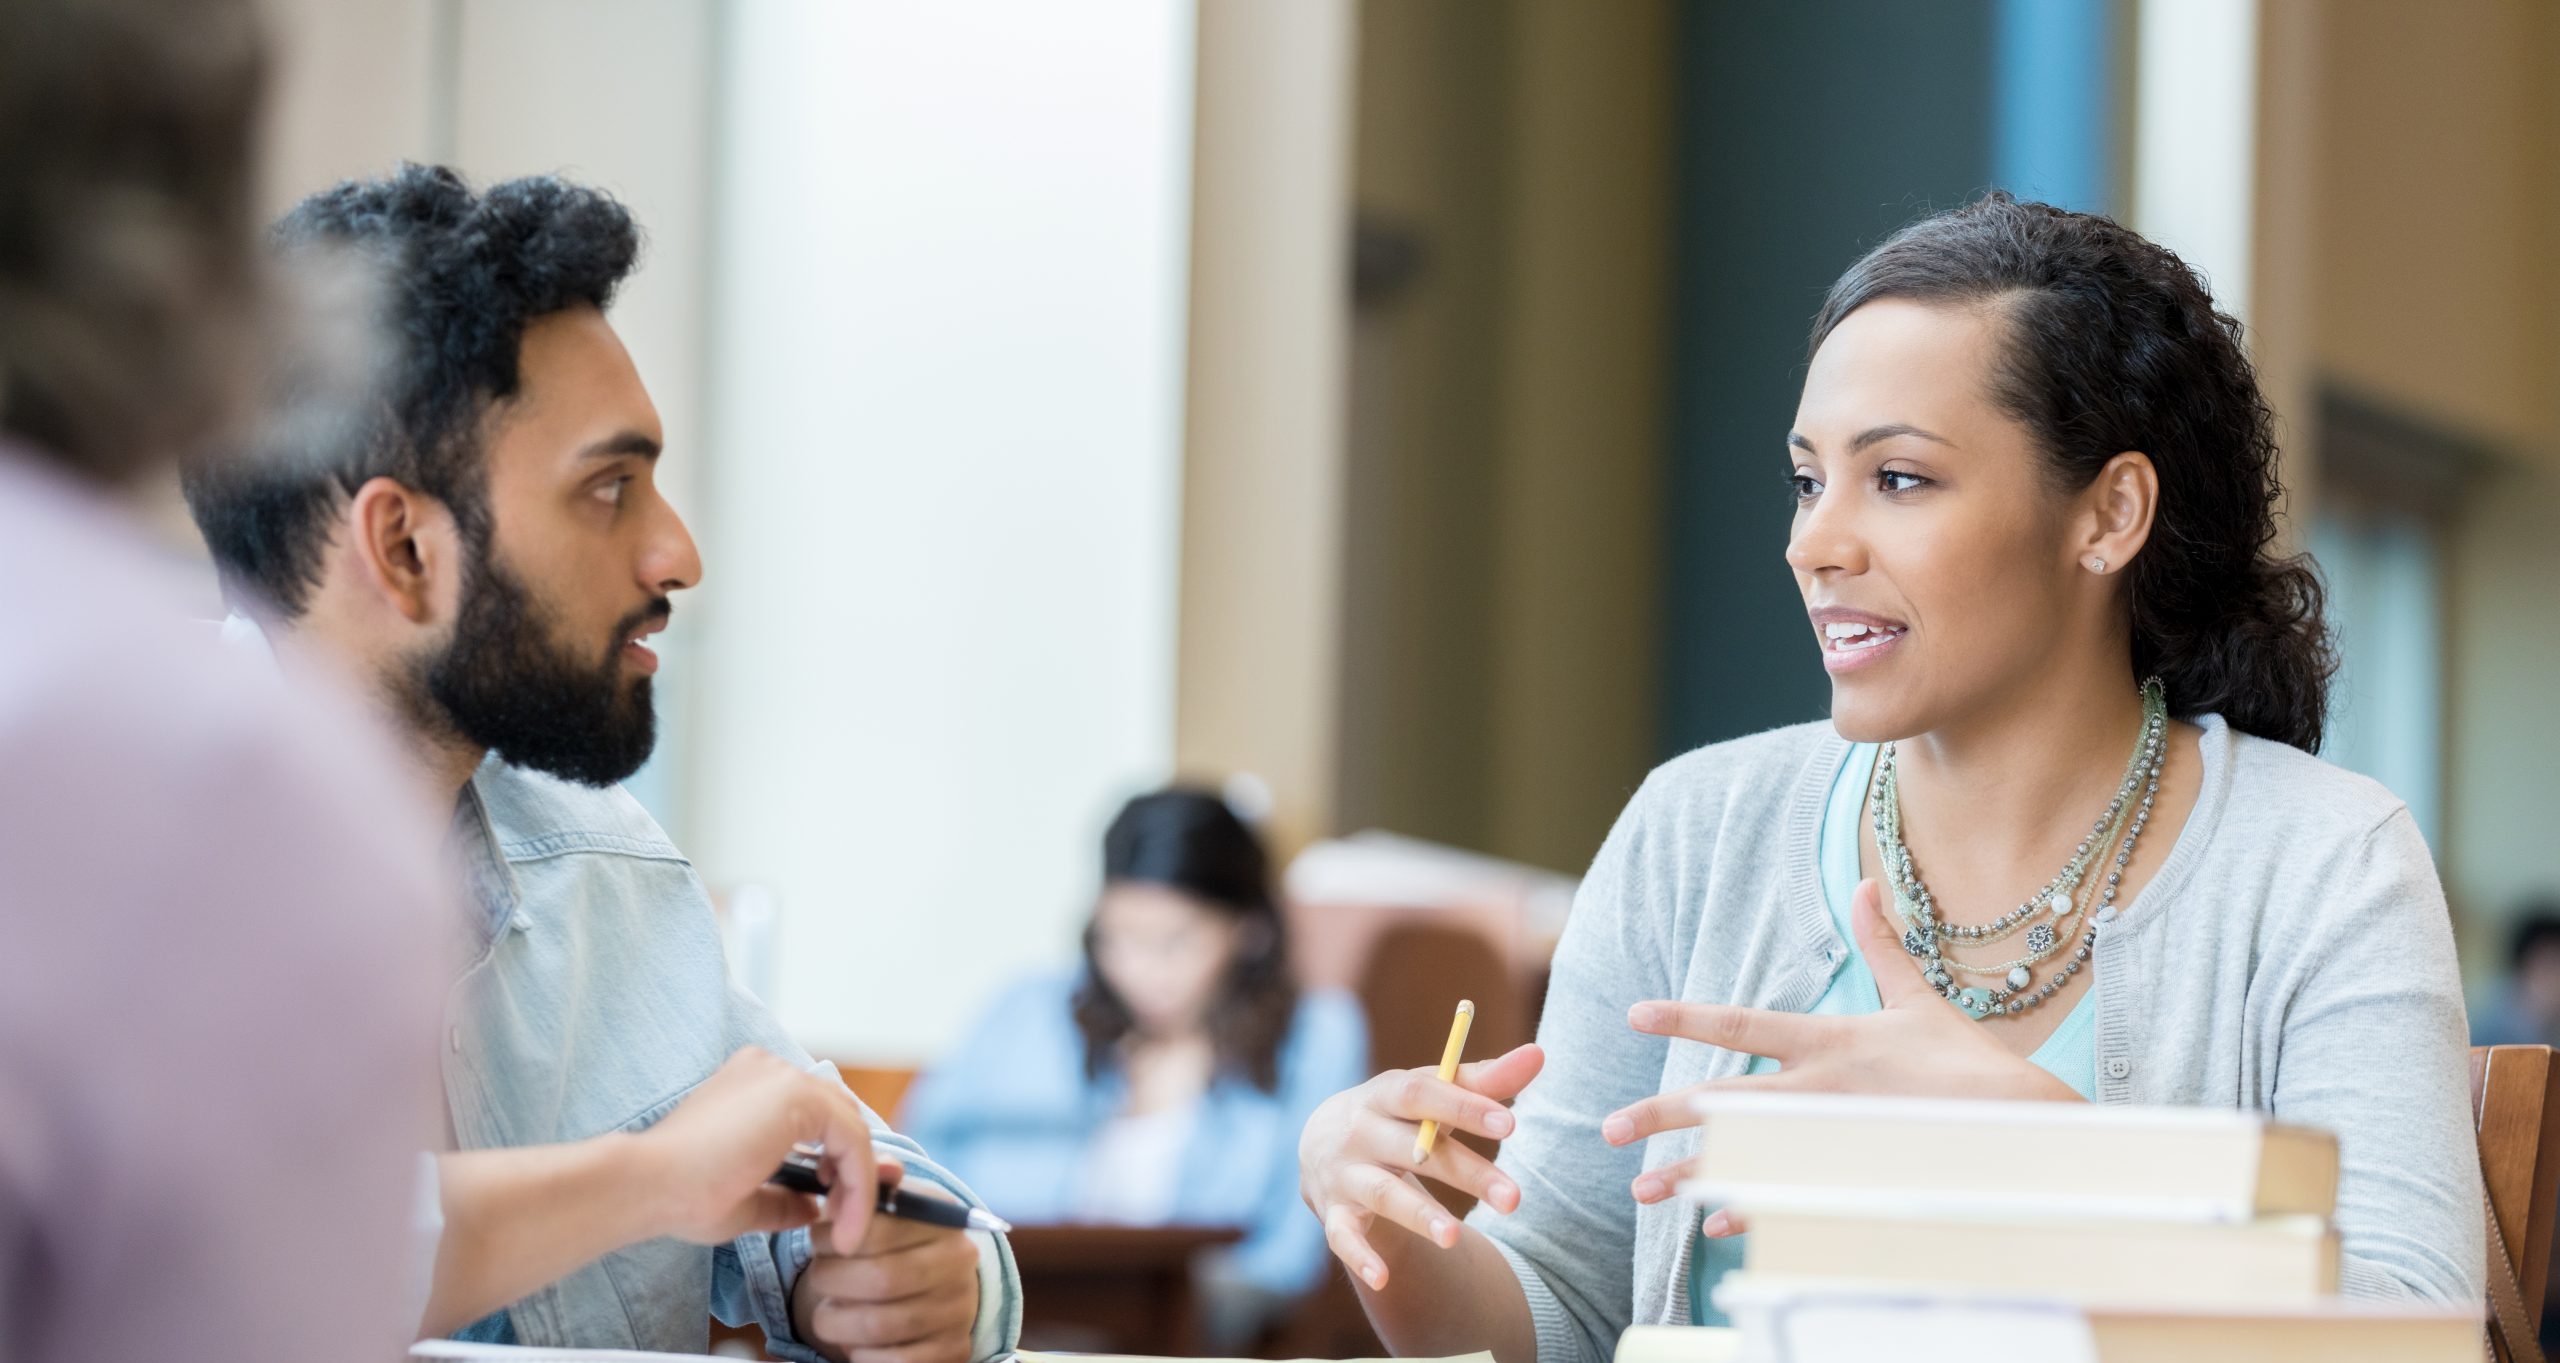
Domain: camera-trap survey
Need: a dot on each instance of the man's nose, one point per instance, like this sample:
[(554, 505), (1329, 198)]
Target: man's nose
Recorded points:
[(673, 562)]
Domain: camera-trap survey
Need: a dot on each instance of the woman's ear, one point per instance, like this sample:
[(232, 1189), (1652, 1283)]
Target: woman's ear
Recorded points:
[(407, 549), (2116, 514)]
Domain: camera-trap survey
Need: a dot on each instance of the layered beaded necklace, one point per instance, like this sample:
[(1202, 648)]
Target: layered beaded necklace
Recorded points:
[(2060, 916)]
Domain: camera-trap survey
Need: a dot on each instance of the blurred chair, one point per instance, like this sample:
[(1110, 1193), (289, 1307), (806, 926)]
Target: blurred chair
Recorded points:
[(1416, 973), (2515, 1102), (1414, 970), (882, 1088), (1346, 896), (1112, 1289)]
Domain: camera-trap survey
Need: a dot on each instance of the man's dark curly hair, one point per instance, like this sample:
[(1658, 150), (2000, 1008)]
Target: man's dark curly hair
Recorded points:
[(460, 276)]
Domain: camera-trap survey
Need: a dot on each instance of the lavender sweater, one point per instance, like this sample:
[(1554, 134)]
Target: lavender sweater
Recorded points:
[(2292, 956)]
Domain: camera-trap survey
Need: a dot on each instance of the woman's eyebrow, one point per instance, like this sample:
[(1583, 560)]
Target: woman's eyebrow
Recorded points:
[(1872, 435)]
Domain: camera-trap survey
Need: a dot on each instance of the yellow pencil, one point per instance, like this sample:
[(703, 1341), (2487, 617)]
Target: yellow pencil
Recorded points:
[(1448, 1071)]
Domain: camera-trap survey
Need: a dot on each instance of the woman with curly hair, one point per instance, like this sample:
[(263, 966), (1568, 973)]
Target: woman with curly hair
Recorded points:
[(2063, 837)]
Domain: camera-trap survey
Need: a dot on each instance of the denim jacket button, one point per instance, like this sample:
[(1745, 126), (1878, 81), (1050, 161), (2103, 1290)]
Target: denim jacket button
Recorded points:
[(521, 923)]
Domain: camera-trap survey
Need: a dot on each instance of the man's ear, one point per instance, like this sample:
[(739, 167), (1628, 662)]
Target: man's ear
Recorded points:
[(407, 548)]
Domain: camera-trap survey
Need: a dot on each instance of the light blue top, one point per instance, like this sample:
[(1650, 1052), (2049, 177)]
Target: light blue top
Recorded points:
[(2070, 1054), (1011, 1111), (593, 999)]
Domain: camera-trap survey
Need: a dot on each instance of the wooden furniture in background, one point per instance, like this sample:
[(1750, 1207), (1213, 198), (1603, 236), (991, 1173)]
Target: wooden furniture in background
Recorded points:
[(2515, 1103), (1326, 1323), (882, 1088), (1344, 895), (1416, 973), (1112, 1289)]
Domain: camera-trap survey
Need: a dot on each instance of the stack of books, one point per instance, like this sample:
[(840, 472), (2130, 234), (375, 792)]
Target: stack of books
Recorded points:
[(2157, 1233)]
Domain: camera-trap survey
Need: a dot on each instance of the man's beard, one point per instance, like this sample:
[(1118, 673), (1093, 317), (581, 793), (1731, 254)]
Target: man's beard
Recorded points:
[(506, 684)]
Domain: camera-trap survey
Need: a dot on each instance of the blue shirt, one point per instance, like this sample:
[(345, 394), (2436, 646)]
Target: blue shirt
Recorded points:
[(2070, 1054), (1012, 1111), (594, 999)]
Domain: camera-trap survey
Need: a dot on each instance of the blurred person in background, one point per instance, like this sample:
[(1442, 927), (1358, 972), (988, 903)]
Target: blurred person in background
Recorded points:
[(1164, 1081), (2525, 1011), (217, 897), (487, 557)]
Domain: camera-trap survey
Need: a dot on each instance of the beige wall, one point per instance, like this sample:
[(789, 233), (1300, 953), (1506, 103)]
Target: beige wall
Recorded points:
[(1262, 502), (1507, 443), (1422, 528), (2416, 260), (2441, 158), (611, 92), (1585, 354), (353, 92)]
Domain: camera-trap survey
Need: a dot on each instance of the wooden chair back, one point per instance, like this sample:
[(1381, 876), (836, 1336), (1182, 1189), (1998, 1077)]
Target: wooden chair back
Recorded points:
[(2515, 1107)]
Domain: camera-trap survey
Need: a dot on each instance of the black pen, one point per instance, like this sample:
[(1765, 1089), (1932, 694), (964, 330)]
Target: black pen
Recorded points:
[(799, 1173)]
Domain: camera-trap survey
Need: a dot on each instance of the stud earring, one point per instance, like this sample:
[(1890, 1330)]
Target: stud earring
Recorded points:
[(2096, 564)]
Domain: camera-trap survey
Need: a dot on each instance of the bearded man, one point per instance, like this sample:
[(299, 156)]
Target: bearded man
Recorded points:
[(488, 561)]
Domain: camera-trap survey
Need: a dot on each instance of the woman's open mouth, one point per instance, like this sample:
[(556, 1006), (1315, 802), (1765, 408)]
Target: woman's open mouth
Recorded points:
[(1850, 644)]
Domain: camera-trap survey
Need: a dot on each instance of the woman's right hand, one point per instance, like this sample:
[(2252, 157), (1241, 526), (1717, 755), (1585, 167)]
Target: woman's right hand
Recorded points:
[(1356, 1165)]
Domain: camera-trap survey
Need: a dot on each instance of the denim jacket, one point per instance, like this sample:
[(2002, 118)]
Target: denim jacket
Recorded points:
[(595, 997)]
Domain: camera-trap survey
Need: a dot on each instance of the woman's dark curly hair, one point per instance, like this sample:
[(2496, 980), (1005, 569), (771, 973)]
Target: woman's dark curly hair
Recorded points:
[(461, 274), (1189, 840), (2114, 344)]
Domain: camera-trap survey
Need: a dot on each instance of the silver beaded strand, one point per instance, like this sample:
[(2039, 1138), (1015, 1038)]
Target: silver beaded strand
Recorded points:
[(2071, 915)]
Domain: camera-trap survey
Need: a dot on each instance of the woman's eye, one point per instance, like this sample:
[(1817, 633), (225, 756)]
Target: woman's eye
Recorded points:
[(1895, 480), (1803, 487)]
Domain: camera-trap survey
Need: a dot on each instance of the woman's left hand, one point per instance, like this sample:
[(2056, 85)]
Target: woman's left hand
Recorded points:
[(1917, 1043)]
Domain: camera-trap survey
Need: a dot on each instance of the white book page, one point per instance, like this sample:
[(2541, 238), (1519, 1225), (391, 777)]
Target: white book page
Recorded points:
[(460, 1351), (1826, 1331)]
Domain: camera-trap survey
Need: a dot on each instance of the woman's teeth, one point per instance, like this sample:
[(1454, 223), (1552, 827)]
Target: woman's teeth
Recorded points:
[(1844, 637)]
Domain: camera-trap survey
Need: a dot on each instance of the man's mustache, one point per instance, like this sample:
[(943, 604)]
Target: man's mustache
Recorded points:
[(660, 609)]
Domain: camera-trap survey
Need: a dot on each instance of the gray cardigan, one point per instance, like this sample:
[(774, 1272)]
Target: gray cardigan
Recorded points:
[(2292, 955)]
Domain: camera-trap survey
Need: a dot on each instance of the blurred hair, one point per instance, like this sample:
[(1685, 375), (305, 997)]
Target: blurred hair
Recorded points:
[(2536, 928), (128, 262), (1189, 840), (459, 275), (2114, 344)]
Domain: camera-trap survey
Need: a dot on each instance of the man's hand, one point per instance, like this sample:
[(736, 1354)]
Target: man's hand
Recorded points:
[(515, 1219), (709, 1158), (907, 1294)]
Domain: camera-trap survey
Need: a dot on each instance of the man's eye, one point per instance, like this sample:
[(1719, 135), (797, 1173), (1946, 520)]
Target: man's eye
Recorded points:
[(612, 492)]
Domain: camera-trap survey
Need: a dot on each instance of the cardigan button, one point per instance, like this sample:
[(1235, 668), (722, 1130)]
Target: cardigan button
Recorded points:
[(2118, 1067)]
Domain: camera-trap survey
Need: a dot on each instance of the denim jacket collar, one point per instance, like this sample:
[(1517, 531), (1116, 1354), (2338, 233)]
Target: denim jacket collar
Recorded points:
[(484, 870)]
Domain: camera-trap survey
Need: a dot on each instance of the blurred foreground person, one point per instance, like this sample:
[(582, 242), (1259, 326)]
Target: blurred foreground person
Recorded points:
[(1165, 1081), (214, 909)]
